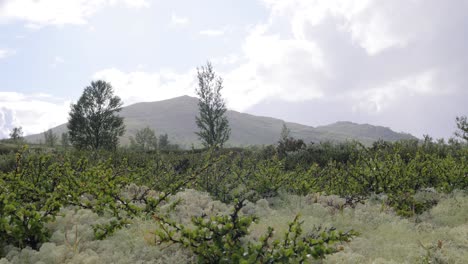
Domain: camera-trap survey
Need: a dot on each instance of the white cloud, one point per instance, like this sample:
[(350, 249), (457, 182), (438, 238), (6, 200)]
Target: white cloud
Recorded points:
[(37, 14), (212, 32), (137, 3), (376, 58), (271, 66), (339, 38), (35, 113), (372, 24), (371, 58), (6, 53), (179, 20), (57, 61), (266, 71), (227, 60), (139, 86), (368, 58), (378, 99)]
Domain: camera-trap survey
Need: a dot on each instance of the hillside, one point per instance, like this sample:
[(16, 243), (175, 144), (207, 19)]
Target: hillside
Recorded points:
[(176, 117)]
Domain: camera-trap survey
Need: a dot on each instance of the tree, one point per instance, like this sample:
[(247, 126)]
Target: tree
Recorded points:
[(163, 141), (287, 143), (16, 135), (145, 139), (65, 140), (285, 132), (93, 122), (50, 138), (165, 144), (462, 125), (212, 120)]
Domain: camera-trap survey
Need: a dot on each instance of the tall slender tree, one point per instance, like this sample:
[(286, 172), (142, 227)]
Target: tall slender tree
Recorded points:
[(50, 138), (163, 141), (64, 139), (94, 122), (212, 121), (462, 125)]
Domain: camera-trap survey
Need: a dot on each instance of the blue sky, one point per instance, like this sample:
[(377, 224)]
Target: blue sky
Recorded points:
[(400, 64)]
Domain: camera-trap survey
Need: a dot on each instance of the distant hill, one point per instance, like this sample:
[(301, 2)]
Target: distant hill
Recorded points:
[(176, 117)]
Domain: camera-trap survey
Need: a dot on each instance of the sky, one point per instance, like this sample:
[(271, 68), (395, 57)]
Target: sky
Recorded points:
[(400, 64)]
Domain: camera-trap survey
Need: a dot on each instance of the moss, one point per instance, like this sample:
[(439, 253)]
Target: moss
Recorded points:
[(128, 245), (441, 234), (451, 211)]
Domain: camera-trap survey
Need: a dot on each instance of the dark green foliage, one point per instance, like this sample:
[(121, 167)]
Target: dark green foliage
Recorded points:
[(295, 246), (93, 122), (165, 144), (31, 195), (220, 239), (214, 240), (378, 171), (7, 157), (16, 135), (462, 125), (288, 144), (65, 140), (265, 178), (124, 185), (164, 141), (50, 138), (212, 121), (39, 185), (145, 140), (321, 153)]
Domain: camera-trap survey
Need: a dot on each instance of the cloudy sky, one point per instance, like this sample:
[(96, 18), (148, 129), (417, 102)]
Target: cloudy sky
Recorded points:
[(400, 63)]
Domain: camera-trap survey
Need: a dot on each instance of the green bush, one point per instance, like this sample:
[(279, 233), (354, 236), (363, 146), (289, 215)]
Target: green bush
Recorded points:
[(220, 239)]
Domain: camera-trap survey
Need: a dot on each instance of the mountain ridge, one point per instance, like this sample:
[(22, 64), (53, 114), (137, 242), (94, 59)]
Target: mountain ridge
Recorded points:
[(176, 117)]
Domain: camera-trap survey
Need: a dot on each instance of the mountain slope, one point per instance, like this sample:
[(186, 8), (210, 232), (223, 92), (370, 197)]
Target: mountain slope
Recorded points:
[(176, 117)]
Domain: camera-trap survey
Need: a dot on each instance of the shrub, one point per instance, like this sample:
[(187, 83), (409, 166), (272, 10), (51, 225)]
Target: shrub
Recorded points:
[(219, 239)]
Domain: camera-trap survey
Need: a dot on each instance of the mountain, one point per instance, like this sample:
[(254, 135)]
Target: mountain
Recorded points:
[(176, 117)]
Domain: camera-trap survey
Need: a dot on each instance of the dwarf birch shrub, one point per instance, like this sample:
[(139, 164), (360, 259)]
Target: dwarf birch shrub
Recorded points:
[(134, 244), (384, 236), (220, 239), (412, 236)]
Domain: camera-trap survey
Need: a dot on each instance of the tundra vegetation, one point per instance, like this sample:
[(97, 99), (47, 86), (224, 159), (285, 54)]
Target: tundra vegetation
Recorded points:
[(329, 202)]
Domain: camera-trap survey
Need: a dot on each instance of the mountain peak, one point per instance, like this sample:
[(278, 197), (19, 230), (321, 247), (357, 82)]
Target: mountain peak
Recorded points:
[(184, 97), (176, 117)]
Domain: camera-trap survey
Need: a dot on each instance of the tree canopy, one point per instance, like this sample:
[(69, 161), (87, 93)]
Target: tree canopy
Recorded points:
[(50, 138), (16, 134), (93, 122), (212, 121), (462, 125), (145, 139)]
